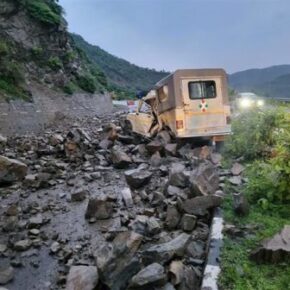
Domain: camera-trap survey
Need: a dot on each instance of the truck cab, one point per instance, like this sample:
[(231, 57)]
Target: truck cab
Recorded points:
[(188, 102)]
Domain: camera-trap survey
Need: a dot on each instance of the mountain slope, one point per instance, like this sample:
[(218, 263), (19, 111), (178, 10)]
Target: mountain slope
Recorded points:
[(120, 73), (36, 47), (271, 81)]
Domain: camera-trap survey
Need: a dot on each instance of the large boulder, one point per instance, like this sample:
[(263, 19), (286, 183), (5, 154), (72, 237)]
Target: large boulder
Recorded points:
[(11, 170), (117, 262), (204, 180), (201, 204), (6, 274), (154, 146), (82, 278), (275, 249), (99, 208), (136, 178), (150, 276), (163, 253), (178, 175), (120, 159)]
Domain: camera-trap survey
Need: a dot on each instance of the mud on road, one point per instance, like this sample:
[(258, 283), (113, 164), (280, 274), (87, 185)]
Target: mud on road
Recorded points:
[(91, 206)]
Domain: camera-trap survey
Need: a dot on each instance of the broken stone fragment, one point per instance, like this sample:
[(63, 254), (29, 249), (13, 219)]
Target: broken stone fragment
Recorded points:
[(274, 250), (154, 146), (188, 222), (11, 170), (204, 180), (22, 245), (155, 159), (152, 275), (177, 175), (176, 272), (120, 159), (79, 194), (163, 253), (235, 180), (6, 274), (237, 169), (190, 279), (55, 247), (172, 217), (117, 262), (127, 197), (171, 149), (106, 144), (216, 158), (199, 205), (137, 177), (82, 278), (99, 208), (35, 221), (164, 137), (153, 226)]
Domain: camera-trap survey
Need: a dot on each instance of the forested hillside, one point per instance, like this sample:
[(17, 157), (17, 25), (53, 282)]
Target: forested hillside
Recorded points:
[(120, 73)]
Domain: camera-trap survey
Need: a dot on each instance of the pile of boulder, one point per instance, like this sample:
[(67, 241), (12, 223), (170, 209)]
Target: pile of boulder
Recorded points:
[(149, 203)]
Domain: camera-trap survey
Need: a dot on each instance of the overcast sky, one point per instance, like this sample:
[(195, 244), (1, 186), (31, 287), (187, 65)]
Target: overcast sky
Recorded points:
[(171, 34)]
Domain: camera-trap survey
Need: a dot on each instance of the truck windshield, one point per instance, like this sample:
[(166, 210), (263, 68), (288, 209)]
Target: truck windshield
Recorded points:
[(202, 90)]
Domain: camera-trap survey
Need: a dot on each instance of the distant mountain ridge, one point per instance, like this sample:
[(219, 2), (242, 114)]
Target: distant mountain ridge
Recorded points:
[(121, 74), (271, 82)]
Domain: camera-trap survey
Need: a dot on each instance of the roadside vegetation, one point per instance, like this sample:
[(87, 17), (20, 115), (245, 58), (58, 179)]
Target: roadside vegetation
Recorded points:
[(261, 141)]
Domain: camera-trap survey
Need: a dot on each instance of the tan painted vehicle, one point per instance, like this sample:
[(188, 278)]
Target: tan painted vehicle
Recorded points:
[(189, 102)]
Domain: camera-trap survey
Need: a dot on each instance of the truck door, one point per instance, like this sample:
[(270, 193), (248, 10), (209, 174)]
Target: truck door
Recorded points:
[(203, 106)]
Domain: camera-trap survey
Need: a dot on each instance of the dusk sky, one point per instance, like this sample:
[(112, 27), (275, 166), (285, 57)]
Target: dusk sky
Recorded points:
[(171, 34)]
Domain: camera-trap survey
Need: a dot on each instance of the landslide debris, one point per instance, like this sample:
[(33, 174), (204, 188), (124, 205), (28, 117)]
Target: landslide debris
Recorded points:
[(87, 209)]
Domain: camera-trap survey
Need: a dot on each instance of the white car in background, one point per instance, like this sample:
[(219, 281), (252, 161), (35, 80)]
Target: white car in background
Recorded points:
[(249, 100)]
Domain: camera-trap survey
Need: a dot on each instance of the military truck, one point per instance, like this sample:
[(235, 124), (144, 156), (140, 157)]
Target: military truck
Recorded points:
[(189, 103)]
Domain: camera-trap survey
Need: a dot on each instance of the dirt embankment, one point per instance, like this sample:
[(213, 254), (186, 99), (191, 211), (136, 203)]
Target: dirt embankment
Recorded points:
[(91, 206)]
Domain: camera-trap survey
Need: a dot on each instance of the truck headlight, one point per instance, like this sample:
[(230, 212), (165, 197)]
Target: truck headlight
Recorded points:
[(245, 103), (260, 103)]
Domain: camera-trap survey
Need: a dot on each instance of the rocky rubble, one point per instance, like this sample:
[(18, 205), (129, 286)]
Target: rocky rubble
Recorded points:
[(95, 207)]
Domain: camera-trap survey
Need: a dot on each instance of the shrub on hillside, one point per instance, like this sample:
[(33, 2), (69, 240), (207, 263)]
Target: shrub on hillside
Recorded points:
[(45, 11), (55, 63), (87, 83)]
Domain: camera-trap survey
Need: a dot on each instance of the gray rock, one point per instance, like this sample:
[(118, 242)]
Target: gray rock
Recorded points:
[(22, 245), (237, 169), (172, 217), (82, 278), (79, 195), (274, 250), (11, 170), (153, 226), (117, 262), (55, 247), (6, 274), (167, 286), (163, 253), (204, 180), (190, 279), (177, 175), (151, 275), (156, 159), (199, 205), (154, 146), (127, 197), (99, 208), (136, 178), (196, 249), (188, 222), (120, 159), (35, 221), (235, 180), (171, 149), (164, 137)]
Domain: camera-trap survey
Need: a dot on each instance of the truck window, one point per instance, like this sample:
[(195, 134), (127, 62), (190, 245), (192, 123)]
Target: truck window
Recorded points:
[(202, 90)]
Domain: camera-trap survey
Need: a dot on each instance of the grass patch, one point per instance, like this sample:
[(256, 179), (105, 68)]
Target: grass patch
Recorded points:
[(238, 272)]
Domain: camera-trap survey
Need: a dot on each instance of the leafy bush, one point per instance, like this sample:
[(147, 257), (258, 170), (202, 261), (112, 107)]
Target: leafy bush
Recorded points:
[(37, 51), (100, 76), (87, 83), (254, 134), (46, 11), (69, 88), (4, 49), (55, 63)]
